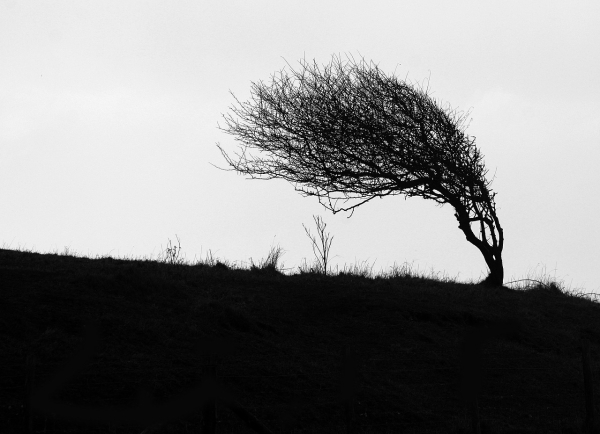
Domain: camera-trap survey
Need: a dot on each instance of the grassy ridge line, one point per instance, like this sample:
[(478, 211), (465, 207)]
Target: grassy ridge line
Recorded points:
[(285, 336)]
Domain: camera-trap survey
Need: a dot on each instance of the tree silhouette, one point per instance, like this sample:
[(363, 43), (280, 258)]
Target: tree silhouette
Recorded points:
[(349, 132)]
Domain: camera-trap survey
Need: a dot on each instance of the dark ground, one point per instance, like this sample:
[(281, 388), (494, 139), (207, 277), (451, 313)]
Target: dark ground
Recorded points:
[(118, 344)]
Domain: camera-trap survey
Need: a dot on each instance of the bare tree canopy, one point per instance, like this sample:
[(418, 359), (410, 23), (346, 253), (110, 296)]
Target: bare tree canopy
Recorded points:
[(348, 132)]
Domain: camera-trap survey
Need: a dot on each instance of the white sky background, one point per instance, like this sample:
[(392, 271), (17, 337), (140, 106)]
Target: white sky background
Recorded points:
[(109, 111)]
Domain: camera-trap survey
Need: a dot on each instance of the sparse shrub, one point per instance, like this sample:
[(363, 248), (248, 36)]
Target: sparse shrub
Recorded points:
[(321, 251)]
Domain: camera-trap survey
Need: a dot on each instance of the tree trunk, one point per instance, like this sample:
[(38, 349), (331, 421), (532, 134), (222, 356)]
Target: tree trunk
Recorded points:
[(491, 253), (496, 276), (493, 260)]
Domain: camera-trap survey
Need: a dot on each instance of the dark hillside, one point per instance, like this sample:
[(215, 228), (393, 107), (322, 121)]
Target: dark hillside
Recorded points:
[(278, 343)]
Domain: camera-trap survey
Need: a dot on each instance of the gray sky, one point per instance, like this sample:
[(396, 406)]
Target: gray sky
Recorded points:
[(109, 111)]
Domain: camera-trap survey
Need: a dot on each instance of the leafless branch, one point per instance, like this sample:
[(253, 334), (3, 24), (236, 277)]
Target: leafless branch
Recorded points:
[(346, 133)]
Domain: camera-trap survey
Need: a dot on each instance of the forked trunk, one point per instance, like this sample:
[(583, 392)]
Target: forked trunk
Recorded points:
[(492, 253)]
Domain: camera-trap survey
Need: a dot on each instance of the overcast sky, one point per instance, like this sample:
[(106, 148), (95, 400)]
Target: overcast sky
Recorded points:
[(109, 112)]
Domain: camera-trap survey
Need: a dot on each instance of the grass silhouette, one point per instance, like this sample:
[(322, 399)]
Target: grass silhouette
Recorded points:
[(300, 353)]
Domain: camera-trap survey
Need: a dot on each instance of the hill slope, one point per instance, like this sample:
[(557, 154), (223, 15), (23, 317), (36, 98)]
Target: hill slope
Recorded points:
[(288, 349)]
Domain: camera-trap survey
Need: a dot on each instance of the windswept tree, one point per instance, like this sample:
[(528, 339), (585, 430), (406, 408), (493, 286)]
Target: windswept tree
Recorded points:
[(349, 132)]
